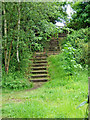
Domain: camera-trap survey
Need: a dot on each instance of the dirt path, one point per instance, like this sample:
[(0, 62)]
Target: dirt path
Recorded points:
[(36, 85), (14, 97)]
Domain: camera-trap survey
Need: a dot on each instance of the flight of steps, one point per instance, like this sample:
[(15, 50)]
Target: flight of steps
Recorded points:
[(54, 45), (39, 72), (39, 68)]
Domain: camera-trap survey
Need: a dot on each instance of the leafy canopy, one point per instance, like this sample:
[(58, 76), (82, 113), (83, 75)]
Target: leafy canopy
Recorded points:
[(81, 18)]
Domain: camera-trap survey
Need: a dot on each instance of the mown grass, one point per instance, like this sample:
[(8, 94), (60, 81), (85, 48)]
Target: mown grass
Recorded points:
[(57, 98)]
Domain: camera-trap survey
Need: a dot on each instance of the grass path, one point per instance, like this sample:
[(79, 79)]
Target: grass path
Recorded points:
[(10, 96), (51, 100), (57, 98)]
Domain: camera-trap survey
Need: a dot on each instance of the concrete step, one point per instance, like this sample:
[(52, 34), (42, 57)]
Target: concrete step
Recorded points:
[(53, 52), (41, 57), (39, 80), (39, 64), (39, 75), (40, 61), (40, 53), (53, 46), (38, 68), (54, 43), (51, 49), (39, 71), (38, 58), (53, 40)]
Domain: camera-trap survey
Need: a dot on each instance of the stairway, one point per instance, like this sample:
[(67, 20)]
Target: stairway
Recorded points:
[(54, 45), (39, 72), (39, 68)]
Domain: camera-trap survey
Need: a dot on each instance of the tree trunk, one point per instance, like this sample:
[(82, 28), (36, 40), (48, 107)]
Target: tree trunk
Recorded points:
[(9, 56), (18, 31), (5, 34)]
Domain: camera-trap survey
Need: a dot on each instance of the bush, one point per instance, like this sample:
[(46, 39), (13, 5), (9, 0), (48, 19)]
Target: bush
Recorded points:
[(70, 65), (79, 41), (74, 54), (15, 81)]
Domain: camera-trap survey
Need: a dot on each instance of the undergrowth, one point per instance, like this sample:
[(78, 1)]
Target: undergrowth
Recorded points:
[(15, 81)]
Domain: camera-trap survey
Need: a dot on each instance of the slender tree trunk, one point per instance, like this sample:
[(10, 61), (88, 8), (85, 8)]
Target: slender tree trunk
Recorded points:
[(9, 56), (5, 34), (18, 31)]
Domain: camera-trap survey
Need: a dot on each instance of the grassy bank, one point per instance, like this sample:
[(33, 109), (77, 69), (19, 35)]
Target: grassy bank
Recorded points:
[(57, 98)]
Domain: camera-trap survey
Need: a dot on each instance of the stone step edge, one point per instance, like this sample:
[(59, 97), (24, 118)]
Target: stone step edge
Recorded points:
[(39, 80), (41, 75)]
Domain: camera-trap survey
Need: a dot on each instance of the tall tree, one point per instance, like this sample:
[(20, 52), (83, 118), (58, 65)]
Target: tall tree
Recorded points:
[(27, 26), (8, 35), (81, 18)]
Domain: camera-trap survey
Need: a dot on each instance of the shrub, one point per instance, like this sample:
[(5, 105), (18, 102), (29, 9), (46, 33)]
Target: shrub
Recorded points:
[(79, 41), (70, 65), (74, 54), (15, 81)]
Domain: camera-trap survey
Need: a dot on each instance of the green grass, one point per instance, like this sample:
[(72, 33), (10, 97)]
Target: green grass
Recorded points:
[(57, 98)]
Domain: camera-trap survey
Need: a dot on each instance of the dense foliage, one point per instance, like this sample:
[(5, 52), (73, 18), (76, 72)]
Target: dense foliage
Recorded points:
[(15, 81), (25, 28), (76, 44), (81, 17), (74, 56)]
